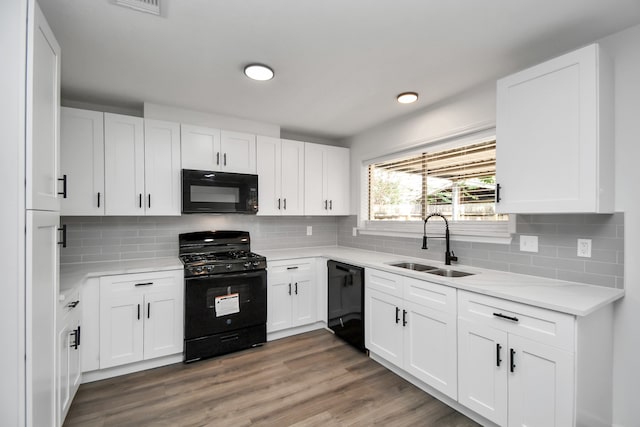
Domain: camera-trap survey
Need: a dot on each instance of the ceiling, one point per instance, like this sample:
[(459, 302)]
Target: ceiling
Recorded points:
[(339, 64)]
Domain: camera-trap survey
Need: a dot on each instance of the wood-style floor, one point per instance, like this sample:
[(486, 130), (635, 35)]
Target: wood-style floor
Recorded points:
[(313, 379)]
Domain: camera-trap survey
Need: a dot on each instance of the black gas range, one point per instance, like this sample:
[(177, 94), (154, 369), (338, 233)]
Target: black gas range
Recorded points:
[(225, 293)]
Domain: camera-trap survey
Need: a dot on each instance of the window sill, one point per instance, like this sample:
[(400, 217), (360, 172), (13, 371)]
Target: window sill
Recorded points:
[(499, 232)]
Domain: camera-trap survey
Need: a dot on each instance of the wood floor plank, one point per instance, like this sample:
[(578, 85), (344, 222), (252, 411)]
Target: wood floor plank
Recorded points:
[(312, 379)]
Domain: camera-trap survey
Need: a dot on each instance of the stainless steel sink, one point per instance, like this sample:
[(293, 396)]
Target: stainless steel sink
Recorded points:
[(449, 273), (414, 266)]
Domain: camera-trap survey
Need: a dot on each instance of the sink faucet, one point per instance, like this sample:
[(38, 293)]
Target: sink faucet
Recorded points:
[(448, 254)]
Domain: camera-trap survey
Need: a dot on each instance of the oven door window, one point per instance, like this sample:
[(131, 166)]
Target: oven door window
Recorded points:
[(204, 294)]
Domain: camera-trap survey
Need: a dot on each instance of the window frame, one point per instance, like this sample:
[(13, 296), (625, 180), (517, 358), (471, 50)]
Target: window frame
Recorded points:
[(469, 231)]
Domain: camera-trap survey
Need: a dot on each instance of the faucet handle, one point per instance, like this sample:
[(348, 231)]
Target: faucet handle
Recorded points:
[(453, 257)]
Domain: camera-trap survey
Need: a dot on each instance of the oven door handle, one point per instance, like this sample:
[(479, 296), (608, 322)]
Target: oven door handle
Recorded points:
[(248, 274)]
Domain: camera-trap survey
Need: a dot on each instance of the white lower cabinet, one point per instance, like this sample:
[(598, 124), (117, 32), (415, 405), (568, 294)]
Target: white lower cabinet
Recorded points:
[(291, 294), (141, 316), (68, 359), (412, 324)]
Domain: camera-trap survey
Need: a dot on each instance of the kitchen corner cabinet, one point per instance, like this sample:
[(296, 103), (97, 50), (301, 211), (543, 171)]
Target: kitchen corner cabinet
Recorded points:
[(291, 294), (82, 160), (281, 176), (68, 355), (141, 316), (555, 151), (520, 365), (412, 324), (211, 149), (142, 166), (326, 180)]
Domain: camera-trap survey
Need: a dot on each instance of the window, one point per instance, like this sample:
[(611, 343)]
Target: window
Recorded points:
[(458, 182)]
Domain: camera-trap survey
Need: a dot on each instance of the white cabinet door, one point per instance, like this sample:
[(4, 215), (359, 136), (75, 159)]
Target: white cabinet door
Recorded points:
[(43, 115), (90, 321), (162, 170), (430, 347), (238, 152), (269, 167), (279, 301), (82, 161), (124, 164), (200, 148), (292, 166), (304, 299), (163, 331), (121, 323), (315, 198), (541, 385), (384, 330), (338, 180), (42, 284), (554, 136), (64, 340), (483, 361)]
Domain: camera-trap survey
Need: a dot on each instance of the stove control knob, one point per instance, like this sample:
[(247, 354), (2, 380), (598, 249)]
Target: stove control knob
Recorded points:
[(210, 268), (247, 264), (256, 263), (228, 266), (197, 270)]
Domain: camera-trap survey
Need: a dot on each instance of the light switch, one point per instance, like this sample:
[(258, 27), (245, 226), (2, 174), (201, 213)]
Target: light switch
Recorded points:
[(529, 243), (309, 230)]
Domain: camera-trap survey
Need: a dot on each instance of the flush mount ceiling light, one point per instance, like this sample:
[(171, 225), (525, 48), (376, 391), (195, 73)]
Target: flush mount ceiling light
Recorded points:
[(407, 97), (258, 72)]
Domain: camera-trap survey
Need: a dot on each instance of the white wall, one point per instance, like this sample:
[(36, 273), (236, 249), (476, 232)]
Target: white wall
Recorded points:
[(13, 19), (624, 48), (476, 109)]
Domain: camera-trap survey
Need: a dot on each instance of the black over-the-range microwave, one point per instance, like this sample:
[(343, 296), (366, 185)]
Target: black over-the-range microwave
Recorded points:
[(219, 192)]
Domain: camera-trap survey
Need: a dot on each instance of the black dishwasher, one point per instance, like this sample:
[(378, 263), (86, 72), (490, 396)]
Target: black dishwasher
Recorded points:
[(346, 302)]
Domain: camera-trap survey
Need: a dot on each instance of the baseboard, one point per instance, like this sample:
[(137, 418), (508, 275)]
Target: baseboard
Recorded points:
[(116, 371), (272, 336), (433, 392)]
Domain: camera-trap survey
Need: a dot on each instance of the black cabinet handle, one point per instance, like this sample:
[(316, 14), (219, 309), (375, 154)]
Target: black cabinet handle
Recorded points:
[(512, 359), (64, 235), (289, 288), (296, 285), (325, 204), (225, 159), (497, 193), (98, 199), (292, 268), (217, 158), (74, 344), (64, 186), (144, 284), (138, 311), (404, 317), (73, 304), (148, 310), (278, 203), (285, 204), (330, 204), (397, 315), (504, 316), (149, 197), (78, 337), (140, 200), (498, 360)]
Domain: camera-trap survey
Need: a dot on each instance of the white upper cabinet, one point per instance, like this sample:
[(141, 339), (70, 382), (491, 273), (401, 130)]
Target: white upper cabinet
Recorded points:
[(555, 147), (124, 164), (281, 174), (162, 181), (44, 182), (82, 161), (211, 149), (326, 180)]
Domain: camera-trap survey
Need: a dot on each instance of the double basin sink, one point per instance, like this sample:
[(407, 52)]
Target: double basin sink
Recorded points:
[(445, 272)]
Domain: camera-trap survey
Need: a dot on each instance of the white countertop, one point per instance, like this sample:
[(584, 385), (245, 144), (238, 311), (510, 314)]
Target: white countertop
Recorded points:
[(72, 275), (568, 297)]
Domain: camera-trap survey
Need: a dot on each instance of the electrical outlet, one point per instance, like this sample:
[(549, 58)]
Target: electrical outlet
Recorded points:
[(309, 230), (584, 248), (354, 231), (529, 243)]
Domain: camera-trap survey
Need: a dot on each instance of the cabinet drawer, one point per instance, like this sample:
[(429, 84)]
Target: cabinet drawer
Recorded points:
[(292, 265), (140, 281), (382, 281), (544, 326), (432, 295)]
